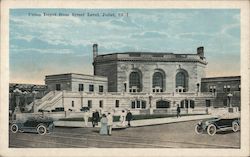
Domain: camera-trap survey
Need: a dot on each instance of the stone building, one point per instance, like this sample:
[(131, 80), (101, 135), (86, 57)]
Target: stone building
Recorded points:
[(76, 82), (144, 82), (151, 72)]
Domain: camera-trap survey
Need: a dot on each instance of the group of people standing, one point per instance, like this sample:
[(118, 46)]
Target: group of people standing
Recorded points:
[(106, 121)]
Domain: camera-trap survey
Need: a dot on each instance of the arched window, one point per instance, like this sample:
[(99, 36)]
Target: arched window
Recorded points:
[(162, 104), (157, 82), (181, 81), (135, 82)]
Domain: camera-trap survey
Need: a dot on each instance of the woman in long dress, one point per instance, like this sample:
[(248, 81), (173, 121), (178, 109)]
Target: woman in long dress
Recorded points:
[(104, 125)]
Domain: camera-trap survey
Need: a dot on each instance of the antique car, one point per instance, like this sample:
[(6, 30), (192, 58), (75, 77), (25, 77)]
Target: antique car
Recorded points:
[(213, 125), (40, 125)]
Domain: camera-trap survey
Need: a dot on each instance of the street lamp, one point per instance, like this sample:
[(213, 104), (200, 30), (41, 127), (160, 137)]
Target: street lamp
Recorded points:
[(229, 99)]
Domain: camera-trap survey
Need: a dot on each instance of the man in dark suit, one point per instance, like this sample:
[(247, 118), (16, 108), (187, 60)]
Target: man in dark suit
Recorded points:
[(95, 118), (129, 117)]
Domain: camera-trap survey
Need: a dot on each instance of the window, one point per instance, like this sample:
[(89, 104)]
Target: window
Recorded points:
[(58, 87), (100, 88), (133, 104), (227, 88), (158, 80), (162, 104), (239, 87), (91, 88), (101, 103), (138, 104), (135, 82), (89, 103), (81, 87), (73, 104), (212, 89), (208, 103), (181, 81), (117, 103)]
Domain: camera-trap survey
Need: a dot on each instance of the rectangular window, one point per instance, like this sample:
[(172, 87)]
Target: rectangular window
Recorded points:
[(138, 104), (208, 103), (81, 87), (101, 103), (73, 104), (89, 103), (100, 88), (228, 88), (58, 87), (143, 104), (133, 104), (117, 103), (91, 88)]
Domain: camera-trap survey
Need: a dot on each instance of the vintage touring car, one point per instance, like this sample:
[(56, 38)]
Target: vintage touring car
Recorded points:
[(213, 125), (40, 125)]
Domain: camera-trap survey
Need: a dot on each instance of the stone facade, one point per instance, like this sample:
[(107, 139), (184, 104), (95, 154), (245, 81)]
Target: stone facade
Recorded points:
[(117, 67), (72, 82)]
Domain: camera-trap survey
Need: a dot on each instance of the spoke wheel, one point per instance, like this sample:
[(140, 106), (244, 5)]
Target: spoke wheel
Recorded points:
[(235, 126), (41, 130), (198, 129), (14, 128), (211, 129)]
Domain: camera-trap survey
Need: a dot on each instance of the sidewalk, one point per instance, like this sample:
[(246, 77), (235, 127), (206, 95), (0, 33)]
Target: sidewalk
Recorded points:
[(137, 123)]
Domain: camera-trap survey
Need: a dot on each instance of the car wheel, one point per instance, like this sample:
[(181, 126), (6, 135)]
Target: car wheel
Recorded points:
[(14, 128), (235, 126), (211, 129), (41, 129), (198, 129)]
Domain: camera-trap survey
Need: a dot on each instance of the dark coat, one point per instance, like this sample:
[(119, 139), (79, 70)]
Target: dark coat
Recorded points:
[(95, 116), (129, 116), (178, 109)]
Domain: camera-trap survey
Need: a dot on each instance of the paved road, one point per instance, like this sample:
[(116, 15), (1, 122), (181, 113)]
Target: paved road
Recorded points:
[(174, 135)]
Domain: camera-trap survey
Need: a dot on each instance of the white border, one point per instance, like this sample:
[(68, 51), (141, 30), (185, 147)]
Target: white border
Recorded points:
[(7, 4)]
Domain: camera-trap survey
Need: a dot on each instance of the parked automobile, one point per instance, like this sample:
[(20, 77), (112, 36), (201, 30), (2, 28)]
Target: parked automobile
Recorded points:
[(40, 125), (213, 125)]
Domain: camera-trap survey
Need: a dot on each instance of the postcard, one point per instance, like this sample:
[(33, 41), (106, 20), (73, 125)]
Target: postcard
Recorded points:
[(125, 78)]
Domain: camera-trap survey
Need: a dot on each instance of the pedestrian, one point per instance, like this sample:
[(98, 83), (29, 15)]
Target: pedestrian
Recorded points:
[(110, 123), (178, 111), (104, 127), (95, 118), (129, 117), (122, 118), (86, 117)]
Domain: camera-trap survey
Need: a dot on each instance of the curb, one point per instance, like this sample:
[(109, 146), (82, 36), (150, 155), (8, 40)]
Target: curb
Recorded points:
[(136, 123)]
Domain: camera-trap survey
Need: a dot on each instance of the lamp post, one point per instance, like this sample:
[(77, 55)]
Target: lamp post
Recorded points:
[(229, 95)]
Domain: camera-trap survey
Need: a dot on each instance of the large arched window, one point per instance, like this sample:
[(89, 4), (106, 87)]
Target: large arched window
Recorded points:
[(158, 82), (181, 81), (135, 82)]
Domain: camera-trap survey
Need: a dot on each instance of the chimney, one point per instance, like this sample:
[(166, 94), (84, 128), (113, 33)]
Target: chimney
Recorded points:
[(95, 51), (200, 51)]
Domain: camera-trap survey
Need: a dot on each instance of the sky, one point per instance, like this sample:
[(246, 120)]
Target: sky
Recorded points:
[(54, 41)]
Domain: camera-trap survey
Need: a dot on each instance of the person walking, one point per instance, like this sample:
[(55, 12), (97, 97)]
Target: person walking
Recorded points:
[(178, 111), (86, 117), (110, 123), (95, 118), (129, 117), (104, 127)]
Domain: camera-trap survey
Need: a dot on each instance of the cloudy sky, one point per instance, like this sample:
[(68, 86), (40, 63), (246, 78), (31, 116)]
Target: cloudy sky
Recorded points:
[(42, 45)]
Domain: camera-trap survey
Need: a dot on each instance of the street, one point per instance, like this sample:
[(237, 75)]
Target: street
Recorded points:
[(173, 135)]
